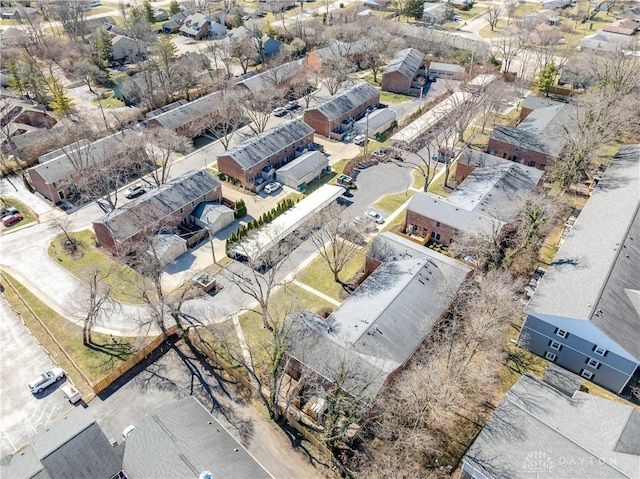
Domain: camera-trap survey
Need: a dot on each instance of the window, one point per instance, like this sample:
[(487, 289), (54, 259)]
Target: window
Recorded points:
[(193, 203), (562, 333), (435, 236), (555, 345), (437, 224), (532, 163), (550, 356), (600, 350), (586, 374), (592, 363), (181, 210)]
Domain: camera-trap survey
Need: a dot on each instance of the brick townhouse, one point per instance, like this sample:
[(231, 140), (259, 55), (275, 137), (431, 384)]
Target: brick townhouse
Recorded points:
[(403, 71), (269, 150), (350, 104)]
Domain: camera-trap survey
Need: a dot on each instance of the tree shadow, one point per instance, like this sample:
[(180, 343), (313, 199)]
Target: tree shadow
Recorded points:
[(115, 350)]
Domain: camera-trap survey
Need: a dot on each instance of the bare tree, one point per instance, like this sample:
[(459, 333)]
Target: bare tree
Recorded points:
[(72, 17), (63, 224), (334, 73), (493, 15), (98, 302), (336, 238), (259, 106), (510, 7), (226, 118), (161, 147), (244, 51), (509, 46), (618, 71)]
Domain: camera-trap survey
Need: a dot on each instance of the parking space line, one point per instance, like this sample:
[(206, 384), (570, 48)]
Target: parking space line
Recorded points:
[(4, 435)]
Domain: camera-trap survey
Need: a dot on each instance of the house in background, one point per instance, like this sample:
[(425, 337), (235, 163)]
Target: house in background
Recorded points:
[(624, 26), (380, 326), (279, 77), (490, 193), (585, 314), (184, 117), (352, 51), (199, 26), (174, 24), (540, 137), (350, 105), (447, 71), (403, 72), (124, 48), (57, 173), (254, 162), (22, 122), (159, 210), (543, 432), (434, 13), (604, 43)]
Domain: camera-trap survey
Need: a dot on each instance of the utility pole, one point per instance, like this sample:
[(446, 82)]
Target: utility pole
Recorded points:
[(366, 134), (213, 251)]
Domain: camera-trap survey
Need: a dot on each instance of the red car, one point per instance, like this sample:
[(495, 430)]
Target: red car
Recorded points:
[(11, 219)]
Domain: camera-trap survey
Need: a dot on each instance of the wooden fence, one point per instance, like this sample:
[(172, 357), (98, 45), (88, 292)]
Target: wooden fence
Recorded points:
[(106, 381)]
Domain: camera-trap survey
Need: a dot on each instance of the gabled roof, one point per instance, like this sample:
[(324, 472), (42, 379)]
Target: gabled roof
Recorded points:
[(541, 130), (72, 446), (406, 62), (347, 101), (194, 23), (272, 77), (389, 315), (433, 9), (537, 431), (208, 211), (189, 112), (376, 119), (158, 204), (303, 165), (597, 265), (337, 49), (608, 41), (261, 146), (534, 102), (62, 163), (623, 26), (182, 439)]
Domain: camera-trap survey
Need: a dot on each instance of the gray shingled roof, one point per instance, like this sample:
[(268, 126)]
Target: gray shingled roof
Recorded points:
[(541, 131), (406, 62), (337, 49), (348, 100), (181, 440), (62, 163), (534, 102), (272, 77), (185, 114), (390, 313), (261, 146), (537, 431), (431, 206), (159, 204), (303, 165), (445, 67), (597, 265), (72, 446)]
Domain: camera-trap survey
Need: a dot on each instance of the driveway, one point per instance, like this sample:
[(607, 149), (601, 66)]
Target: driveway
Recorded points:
[(21, 412), (179, 373)]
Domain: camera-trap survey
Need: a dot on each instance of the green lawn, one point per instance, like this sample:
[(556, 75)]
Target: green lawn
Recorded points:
[(550, 246), (338, 168), (94, 362), (388, 97), (390, 203), (125, 282), (319, 276), (437, 186), (521, 11), (397, 221), (418, 179), (27, 213), (110, 102)]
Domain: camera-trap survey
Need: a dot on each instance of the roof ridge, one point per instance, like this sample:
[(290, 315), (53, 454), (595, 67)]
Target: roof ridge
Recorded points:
[(555, 429)]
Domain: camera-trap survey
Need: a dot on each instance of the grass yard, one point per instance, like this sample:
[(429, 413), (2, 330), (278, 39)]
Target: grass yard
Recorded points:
[(550, 246), (388, 97), (390, 203), (109, 102), (125, 282), (418, 179), (397, 221), (95, 362), (319, 276), (437, 186), (27, 213), (521, 11), (338, 168)]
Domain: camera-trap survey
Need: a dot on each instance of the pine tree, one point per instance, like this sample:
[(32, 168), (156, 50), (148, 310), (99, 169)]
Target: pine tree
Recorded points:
[(61, 104), (104, 45), (546, 78), (15, 82), (174, 8), (414, 9), (148, 12)]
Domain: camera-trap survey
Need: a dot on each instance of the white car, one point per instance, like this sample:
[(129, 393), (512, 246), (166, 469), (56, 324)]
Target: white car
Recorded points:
[(271, 187), (46, 379), (359, 140), (374, 216), (127, 432)]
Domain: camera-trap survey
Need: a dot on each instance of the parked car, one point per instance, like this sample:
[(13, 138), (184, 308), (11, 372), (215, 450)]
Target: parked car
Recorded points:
[(46, 379), (11, 219), (443, 154), (127, 432), (359, 140), (456, 18), (271, 187), (378, 154), (377, 217), (280, 111), (292, 105), (134, 191), (347, 138), (347, 193), (8, 211)]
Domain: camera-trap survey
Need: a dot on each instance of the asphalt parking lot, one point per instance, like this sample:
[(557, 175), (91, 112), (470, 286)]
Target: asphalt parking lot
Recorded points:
[(177, 373), (22, 413)]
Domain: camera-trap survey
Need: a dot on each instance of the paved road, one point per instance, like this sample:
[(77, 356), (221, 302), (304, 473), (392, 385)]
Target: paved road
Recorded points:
[(21, 412), (180, 373)]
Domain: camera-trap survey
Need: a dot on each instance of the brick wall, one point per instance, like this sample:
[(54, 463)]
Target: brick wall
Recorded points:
[(462, 171), (323, 126), (425, 226), (42, 187), (526, 157), (229, 166), (396, 82), (314, 62)]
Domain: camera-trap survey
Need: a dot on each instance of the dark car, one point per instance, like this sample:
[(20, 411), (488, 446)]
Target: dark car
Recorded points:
[(292, 105), (348, 194), (8, 211)]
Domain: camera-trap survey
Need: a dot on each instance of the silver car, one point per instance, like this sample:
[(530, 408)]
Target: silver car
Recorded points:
[(46, 379)]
